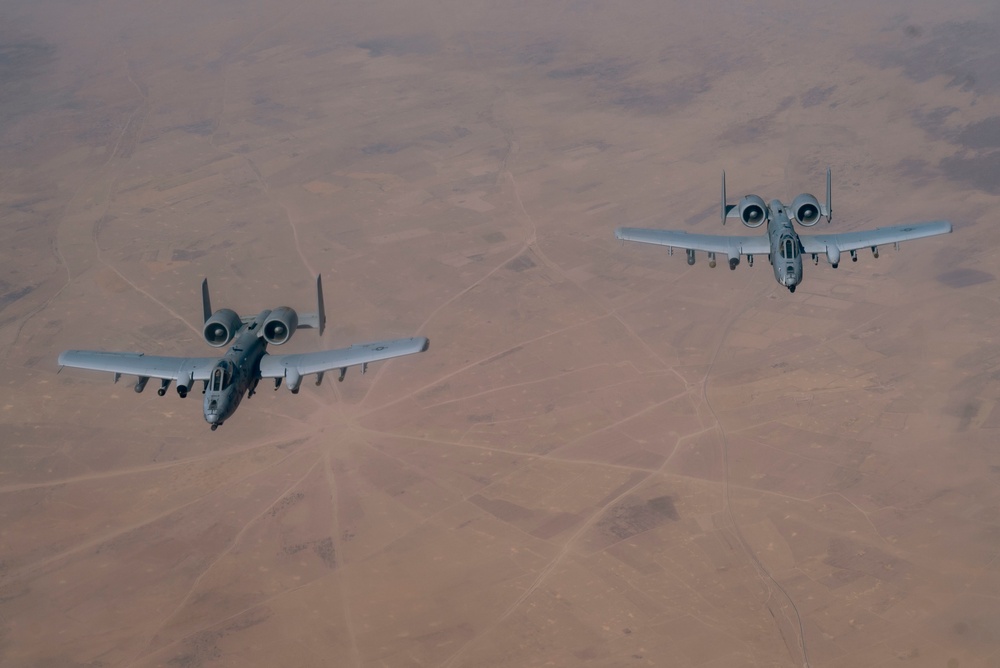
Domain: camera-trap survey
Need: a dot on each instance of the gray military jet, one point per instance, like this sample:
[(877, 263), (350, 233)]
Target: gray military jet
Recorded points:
[(782, 245), (228, 378)]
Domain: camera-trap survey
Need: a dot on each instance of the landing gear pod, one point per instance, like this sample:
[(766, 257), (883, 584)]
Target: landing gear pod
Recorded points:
[(833, 255)]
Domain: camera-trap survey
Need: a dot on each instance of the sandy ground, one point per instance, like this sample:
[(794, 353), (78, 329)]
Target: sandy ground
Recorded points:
[(607, 457)]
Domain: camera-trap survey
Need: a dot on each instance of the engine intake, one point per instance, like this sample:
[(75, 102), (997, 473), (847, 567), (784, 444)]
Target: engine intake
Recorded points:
[(221, 327), (805, 210), (280, 325), (753, 211)]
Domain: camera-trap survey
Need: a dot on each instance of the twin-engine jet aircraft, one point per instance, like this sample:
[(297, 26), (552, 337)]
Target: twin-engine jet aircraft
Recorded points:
[(782, 245), (228, 378)]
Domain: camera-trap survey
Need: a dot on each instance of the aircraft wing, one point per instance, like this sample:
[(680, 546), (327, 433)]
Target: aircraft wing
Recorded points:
[(848, 241), (139, 364), (731, 246), (296, 365)]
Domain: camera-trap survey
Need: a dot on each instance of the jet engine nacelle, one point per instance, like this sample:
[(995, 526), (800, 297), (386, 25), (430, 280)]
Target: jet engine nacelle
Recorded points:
[(280, 324), (753, 211), (221, 327), (805, 210)]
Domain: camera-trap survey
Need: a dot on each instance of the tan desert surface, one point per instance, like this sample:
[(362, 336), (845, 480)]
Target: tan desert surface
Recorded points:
[(607, 457)]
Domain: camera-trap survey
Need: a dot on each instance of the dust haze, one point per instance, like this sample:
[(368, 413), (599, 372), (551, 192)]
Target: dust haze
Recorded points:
[(607, 457)]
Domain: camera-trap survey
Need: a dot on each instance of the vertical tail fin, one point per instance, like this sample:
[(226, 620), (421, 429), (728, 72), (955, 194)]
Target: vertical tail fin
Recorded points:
[(829, 192), (723, 197), (206, 302), (320, 308)]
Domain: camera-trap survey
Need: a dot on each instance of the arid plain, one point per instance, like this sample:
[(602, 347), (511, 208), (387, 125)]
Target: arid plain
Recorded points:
[(607, 457)]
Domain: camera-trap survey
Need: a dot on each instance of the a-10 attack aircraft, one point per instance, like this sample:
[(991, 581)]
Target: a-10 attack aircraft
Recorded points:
[(228, 378), (782, 245)]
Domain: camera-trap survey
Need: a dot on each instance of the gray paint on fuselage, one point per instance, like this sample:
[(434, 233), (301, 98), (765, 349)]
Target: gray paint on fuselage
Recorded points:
[(244, 357), (787, 270)]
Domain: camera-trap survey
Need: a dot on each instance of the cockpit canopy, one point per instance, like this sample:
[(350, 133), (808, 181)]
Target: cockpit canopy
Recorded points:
[(789, 248), (222, 376)]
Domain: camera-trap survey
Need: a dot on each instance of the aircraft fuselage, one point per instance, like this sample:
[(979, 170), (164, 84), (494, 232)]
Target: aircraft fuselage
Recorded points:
[(786, 248), (236, 373)]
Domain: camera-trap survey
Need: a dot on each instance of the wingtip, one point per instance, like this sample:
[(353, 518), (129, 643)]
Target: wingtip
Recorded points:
[(618, 232), (426, 345)]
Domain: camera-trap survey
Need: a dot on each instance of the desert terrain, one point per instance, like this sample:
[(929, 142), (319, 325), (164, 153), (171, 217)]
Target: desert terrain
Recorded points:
[(607, 457)]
